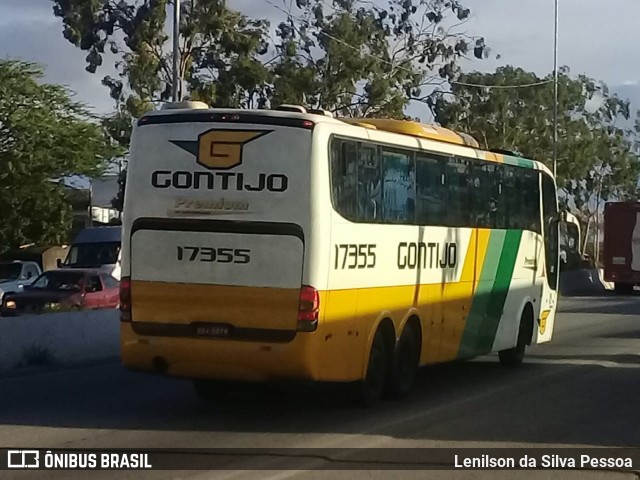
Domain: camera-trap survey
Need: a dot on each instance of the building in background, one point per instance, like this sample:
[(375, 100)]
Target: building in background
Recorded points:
[(80, 199), (103, 191)]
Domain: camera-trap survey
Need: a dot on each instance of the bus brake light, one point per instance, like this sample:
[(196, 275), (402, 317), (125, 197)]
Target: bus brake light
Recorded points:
[(308, 309)]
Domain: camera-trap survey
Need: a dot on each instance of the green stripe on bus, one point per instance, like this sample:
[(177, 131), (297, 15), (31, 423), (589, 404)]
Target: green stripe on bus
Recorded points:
[(518, 161), (523, 162), (500, 289), (482, 296)]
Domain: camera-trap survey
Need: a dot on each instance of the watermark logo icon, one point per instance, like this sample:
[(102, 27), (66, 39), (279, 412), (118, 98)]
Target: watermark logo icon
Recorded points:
[(23, 459)]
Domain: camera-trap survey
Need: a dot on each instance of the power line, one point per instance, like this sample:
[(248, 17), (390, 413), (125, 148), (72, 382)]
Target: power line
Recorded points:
[(453, 82), (524, 85)]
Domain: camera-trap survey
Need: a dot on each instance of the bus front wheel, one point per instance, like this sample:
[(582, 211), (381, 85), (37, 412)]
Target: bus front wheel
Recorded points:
[(514, 356)]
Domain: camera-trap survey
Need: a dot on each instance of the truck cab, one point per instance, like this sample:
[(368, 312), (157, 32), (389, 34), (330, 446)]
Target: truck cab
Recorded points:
[(622, 245), (15, 275)]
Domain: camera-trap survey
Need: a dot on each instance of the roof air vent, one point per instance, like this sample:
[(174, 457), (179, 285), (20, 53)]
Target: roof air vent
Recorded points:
[(291, 108)]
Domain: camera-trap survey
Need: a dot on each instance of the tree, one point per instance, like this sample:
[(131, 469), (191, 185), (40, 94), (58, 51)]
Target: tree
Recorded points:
[(596, 159), (354, 57), (359, 58), (44, 136), (119, 126), (219, 49), (118, 200)]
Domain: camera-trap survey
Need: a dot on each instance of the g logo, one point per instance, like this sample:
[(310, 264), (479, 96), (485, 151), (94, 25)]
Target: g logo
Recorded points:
[(220, 149)]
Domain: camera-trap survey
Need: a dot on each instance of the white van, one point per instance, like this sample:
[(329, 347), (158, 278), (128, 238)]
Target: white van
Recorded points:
[(97, 247)]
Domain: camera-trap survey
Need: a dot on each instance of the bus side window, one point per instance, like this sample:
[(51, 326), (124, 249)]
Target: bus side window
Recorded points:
[(479, 193), (530, 199), (528, 196), (496, 173), (431, 204), (398, 186), (456, 188), (510, 198), (489, 201), (369, 183), (344, 177)]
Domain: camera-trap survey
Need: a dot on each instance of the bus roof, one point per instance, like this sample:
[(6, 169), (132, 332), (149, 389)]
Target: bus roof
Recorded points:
[(291, 115)]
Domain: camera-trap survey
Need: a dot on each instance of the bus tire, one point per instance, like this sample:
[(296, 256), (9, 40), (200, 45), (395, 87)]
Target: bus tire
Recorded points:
[(623, 288), (514, 357), (211, 390), (406, 360), (370, 389)]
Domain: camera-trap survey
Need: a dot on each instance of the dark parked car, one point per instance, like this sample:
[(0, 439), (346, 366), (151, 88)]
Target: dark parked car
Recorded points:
[(78, 289)]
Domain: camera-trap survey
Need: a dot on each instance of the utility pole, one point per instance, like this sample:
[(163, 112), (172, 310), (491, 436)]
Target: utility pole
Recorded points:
[(176, 94), (555, 92)]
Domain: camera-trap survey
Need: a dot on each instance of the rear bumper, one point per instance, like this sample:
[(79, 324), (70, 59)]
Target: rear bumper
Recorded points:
[(298, 359)]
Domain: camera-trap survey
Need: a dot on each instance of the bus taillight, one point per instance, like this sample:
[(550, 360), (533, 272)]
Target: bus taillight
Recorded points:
[(308, 309), (125, 299)]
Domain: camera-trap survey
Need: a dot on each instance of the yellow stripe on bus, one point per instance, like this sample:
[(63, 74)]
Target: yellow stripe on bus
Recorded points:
[(337, 350), (243, 307), (494, 157)]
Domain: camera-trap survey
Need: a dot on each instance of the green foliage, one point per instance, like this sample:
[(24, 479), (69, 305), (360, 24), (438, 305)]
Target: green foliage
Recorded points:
[(357, 58), (44, 136), (218, 58), (118, 201), (595, 153), (350, 56), (119, 126)]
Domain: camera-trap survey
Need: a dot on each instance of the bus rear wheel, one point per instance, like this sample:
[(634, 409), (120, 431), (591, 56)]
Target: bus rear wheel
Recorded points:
[(405, 363), (513, 357), (369, 390), (211, 390)]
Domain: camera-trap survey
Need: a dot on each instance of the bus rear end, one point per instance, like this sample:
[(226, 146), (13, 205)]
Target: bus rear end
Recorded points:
[(622, 245), (214, 239)]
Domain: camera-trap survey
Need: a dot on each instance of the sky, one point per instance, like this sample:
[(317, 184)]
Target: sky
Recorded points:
[(595, 40)]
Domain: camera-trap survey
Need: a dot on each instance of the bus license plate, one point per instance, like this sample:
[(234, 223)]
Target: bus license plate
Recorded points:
[(213, 330)]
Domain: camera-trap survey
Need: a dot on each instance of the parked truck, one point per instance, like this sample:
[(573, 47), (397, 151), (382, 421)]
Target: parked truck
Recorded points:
[(15, 275), (621, 253), (47, 257)]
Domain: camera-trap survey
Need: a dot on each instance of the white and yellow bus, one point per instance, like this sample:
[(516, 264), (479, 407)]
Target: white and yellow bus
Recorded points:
[(287, 244)]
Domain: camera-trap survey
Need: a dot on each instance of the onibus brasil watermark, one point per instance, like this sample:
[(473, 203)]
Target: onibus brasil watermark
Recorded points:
[(72, 460)]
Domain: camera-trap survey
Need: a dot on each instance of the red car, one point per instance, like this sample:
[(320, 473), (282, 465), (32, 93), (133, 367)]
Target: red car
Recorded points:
[(77, 289)]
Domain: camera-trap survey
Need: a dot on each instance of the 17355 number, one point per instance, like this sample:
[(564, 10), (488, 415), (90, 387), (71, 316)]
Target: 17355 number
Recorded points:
[(210, 254), (350, 256)]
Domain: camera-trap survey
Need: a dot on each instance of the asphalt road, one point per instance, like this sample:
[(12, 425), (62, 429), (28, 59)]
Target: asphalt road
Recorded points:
[(581, 389)]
